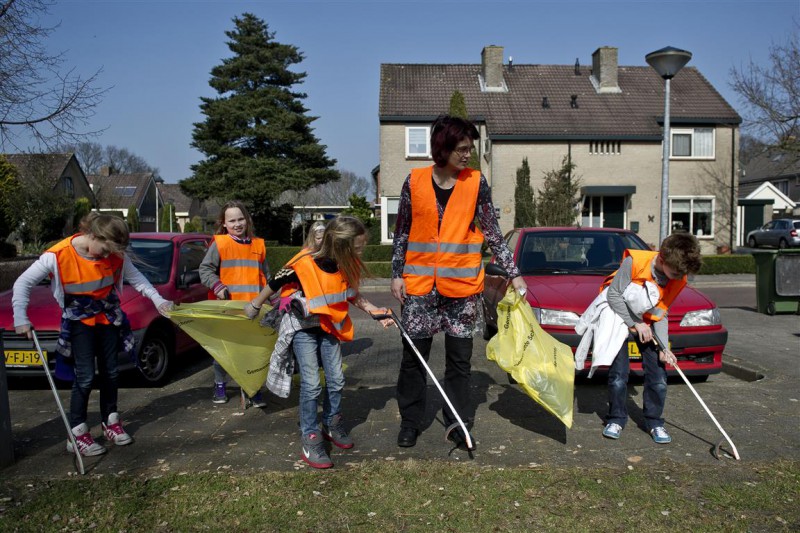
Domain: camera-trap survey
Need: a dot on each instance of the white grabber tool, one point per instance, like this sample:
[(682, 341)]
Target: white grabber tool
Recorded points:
[(78, 457), (716, 450), (378, 315)]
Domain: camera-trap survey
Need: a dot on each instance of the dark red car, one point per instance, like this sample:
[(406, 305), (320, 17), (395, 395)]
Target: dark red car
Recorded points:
[(564, 268), (170, 261)]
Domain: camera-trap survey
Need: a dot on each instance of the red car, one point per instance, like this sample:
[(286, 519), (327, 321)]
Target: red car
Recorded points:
[(170, 262), (564, 268)]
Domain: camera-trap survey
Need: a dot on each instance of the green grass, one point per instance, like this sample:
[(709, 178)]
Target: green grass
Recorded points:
[(417, 496)]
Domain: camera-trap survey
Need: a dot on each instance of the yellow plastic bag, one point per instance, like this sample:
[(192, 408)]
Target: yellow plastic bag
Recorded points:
[(239, 344), (543, 366)]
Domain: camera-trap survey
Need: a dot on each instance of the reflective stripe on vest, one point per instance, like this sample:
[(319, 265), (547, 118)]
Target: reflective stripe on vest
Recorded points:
[(86, 277), (327, 296), (449, 254), (641, 271), (241, 266)]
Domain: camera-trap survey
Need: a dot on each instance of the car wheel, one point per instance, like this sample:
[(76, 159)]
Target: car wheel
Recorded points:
[(783, 244), (771, 308), (751, 242), (154, 357), (489, 332)]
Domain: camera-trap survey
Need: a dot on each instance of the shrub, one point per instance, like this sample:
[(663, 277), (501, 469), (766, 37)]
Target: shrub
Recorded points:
[(728, 264)]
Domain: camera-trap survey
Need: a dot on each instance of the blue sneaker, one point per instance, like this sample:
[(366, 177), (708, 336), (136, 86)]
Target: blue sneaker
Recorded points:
[(660, 435), (220, 393), (257, 400), (613, 430)]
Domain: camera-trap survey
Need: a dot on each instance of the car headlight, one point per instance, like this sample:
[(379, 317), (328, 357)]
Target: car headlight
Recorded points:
[(703, 317), (552, 317)]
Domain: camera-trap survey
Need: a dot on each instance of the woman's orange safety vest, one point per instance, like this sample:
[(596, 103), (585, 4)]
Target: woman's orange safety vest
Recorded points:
[(327, 295), (85, 277), (241, 266), (448, 255), (642, 271)]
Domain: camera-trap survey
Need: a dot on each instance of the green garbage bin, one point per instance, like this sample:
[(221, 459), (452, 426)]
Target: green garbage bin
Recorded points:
[(777, 282)]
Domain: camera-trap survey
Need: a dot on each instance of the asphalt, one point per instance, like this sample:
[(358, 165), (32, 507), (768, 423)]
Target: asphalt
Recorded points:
[(177, 429)]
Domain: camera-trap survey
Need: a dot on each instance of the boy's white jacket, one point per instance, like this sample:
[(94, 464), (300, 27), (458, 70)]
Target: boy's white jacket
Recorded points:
[(599, 323)]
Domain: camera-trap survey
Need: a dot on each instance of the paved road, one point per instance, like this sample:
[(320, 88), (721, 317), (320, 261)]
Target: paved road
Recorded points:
[(177, 428)]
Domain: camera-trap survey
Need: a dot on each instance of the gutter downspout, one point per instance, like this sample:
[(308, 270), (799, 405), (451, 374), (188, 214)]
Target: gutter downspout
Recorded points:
[(733, 187)]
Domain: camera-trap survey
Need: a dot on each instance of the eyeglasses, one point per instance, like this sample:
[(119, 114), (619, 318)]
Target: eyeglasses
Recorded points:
[(463, 151)]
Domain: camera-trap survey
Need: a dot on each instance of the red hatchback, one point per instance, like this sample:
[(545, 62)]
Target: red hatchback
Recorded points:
[(170, 261), (564, 268)]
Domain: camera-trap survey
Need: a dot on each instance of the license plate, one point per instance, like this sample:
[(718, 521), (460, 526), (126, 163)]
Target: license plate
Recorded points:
[(22, 358)]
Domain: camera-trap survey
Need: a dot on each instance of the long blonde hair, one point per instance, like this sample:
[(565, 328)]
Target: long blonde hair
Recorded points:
[(311, 238), (338, 243), (109, 228)]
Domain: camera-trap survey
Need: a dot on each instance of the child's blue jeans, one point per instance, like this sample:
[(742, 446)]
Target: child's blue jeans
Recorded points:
[(655, 386), (307, 345)]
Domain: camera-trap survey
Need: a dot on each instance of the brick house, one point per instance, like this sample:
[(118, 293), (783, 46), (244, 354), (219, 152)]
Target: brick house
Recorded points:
[(118, 192), (607, 119)]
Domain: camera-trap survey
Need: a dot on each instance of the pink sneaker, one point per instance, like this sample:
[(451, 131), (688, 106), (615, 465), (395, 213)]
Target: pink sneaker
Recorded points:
[(86, 444), (114, 432)]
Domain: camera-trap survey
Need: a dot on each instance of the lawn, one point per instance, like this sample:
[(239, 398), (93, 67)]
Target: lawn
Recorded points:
[(417, 496)]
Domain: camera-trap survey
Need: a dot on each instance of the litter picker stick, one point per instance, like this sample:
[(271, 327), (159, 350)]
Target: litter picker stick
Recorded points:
[(699, 399), (391, 314), (58, 402)]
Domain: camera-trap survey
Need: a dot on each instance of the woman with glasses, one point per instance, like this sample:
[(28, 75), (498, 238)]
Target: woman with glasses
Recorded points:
[(437, 273)]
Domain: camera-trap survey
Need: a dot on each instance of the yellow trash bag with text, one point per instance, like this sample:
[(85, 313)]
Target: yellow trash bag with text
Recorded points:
[(541, 365), (242, 346)]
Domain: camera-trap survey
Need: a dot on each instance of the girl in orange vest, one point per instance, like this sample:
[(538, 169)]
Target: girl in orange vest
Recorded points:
[(87, 271), (329, 279), (234, 268), (437, 273)]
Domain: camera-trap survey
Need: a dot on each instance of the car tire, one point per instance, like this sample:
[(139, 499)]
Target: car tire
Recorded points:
[(783, 244), (154, 357), (751, 242), (771, 308)]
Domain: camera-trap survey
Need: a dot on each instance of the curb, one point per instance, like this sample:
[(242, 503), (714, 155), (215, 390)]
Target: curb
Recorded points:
[(736, 369)]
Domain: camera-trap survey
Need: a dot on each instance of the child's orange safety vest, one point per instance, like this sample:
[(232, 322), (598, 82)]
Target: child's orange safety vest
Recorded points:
[(241, 266), (327, 296)]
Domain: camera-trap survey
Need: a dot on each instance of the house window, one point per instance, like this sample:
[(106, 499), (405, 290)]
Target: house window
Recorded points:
[(603, 212), (126, 192), (782, 186), (389, 206), (69, 188), (692, 143), (418, 141), (692, 214), (605, 148)]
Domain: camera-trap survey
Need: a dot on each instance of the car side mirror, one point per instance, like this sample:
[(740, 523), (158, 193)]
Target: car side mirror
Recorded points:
[(493, 269), (189, 277)]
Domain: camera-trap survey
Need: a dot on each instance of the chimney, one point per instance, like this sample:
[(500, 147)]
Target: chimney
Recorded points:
[(105, 170), (492, 69), (604, 70)]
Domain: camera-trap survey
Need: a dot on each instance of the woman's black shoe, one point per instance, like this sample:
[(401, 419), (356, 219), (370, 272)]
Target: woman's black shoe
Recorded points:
[(407, 437)]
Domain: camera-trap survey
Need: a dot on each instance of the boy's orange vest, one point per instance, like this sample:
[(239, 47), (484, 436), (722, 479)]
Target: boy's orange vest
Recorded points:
[(642, 271), (450, 255), (327, 296), (241, 266), (85, 277)]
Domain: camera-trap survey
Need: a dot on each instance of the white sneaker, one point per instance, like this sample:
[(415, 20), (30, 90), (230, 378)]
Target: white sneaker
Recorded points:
[(86, 444), (114, 432)]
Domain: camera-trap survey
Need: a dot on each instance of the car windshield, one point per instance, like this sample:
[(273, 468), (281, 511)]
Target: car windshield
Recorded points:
[(153, 258), (575, 252)]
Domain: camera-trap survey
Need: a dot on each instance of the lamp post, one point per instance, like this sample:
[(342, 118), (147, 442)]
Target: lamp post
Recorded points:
[(667, 62)]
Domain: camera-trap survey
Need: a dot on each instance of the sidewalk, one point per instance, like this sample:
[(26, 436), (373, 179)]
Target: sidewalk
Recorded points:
[(178, 430)]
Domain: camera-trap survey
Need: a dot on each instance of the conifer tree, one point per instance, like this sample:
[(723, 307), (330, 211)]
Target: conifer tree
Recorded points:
[(458, 108), (558, 199), (256, 137), (524, 202)]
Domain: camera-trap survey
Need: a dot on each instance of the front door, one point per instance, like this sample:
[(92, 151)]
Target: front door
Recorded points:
[(603, 212)]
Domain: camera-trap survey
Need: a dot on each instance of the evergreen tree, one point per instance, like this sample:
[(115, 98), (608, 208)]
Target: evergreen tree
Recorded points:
[(524, 202), (167, 221), (256, 137), (133, 218), (359, 208), (458, 108), (83, 206), (558, 199)]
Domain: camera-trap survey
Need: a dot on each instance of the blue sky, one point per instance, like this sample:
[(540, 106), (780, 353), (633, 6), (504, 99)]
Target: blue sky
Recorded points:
[(157, 55)]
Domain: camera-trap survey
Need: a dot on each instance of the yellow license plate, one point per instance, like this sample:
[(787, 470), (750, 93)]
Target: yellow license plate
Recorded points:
[(21, 358)]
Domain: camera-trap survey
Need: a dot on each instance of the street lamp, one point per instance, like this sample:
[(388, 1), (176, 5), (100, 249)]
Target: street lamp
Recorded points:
[(667, 62)]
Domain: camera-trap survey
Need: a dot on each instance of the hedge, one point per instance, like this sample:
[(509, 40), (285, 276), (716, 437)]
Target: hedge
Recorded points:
[(728, 264), (277, 256)]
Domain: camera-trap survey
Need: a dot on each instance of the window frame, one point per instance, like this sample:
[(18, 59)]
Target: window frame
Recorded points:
[(418, 155), (692, 132), (692, 199)]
